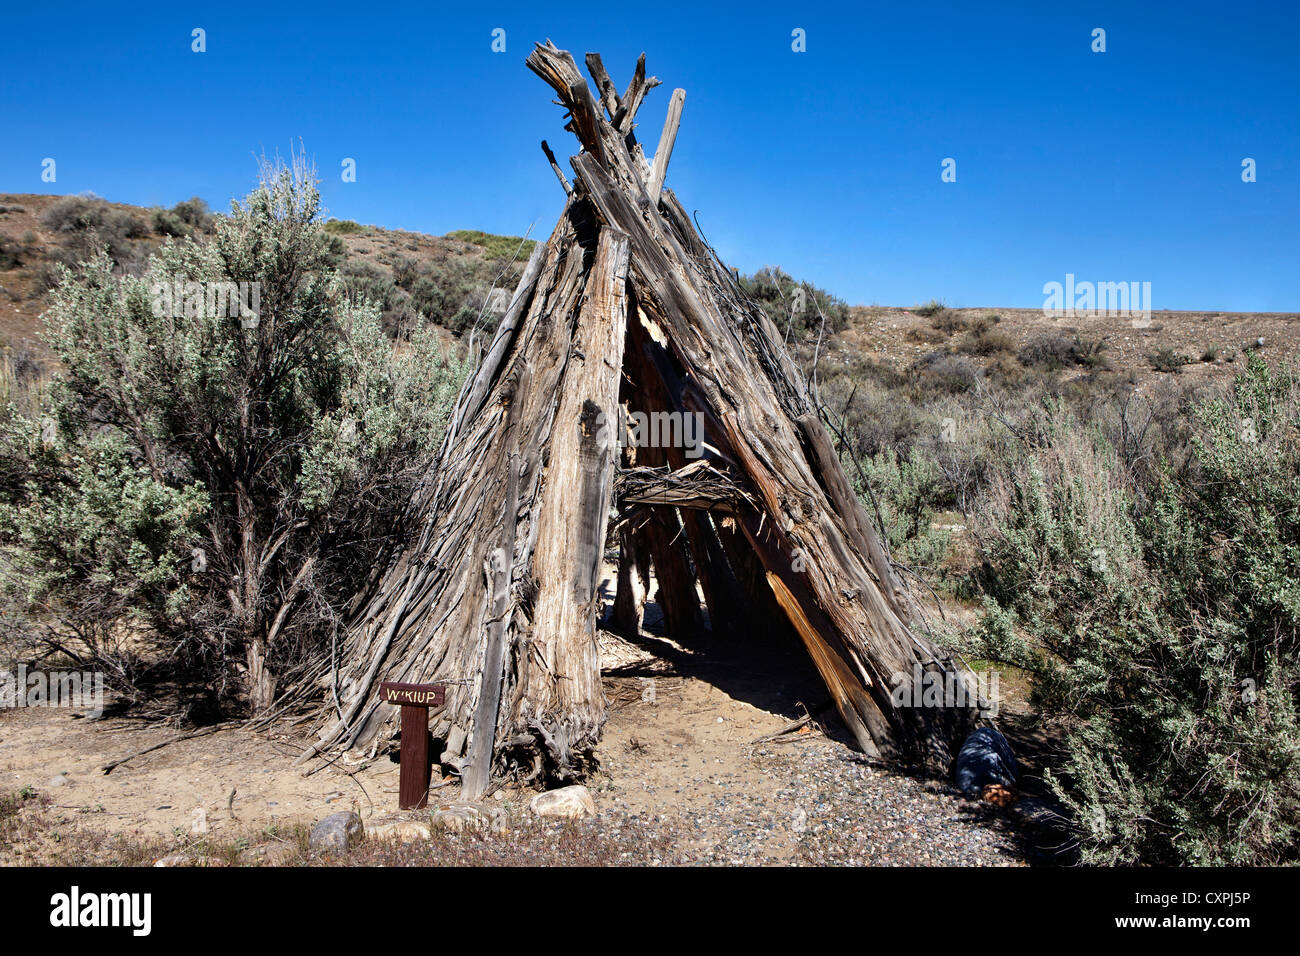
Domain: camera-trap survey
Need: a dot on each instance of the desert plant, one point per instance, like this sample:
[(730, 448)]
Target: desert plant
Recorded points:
[(1058, 350), (1164, 609), (944, 320), (494, 246), (203, 488), (343, 227), (796, 308), (85, 224), (1166, 359)]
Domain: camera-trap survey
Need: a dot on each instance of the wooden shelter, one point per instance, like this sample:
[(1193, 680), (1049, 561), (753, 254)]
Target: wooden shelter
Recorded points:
[(495, 592)]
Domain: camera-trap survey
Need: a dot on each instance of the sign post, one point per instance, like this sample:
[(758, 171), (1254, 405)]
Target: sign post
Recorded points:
[(415, 701)]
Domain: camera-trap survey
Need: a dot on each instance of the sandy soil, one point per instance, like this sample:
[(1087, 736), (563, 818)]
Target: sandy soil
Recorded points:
[(242, 780)]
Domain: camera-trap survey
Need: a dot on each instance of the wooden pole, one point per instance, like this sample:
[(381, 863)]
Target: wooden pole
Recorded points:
[(413, 781), (415, 701), (667, 138)]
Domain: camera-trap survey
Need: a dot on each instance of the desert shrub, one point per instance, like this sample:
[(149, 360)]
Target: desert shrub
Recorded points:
[(185, 217), (86, 224), (405, 272), (933, 307), (983, 339), (366, 282), (945, 320), (11, 254), (343, 227), (1166, 359), (909, 491), (946, 372), (494, 246), (925, 336), (796, 308), (1058, 350), (80, 213), (199, 495), (1163, 608)]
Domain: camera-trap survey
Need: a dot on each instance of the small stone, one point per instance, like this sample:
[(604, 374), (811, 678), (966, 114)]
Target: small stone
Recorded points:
[(457, 817), (175, 859), (269, 854), (60, 781), (403, 831), (337, 833), (571, 802), (199, 821)]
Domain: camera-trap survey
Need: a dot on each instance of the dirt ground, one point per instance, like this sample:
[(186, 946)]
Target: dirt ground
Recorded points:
[(241, 780), (686, 763), (902, 336)]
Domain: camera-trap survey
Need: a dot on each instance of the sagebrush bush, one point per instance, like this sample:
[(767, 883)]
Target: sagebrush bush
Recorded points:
[(1167, 359), (1058, 350), (494, 246), (86, 224), (199, 494), (909, 491), (796, 308), (185, 217), (1167, 633)]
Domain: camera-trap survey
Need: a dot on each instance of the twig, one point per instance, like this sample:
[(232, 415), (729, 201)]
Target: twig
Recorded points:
[(202, 732)]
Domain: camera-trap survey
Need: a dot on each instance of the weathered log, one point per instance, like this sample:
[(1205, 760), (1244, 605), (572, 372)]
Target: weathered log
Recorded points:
[(664, 151)]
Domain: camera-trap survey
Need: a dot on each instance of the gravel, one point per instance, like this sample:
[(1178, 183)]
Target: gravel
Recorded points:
[(818, 805)]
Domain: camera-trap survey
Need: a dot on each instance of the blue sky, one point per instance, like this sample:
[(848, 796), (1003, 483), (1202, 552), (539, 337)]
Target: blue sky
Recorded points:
[(1115, 166)]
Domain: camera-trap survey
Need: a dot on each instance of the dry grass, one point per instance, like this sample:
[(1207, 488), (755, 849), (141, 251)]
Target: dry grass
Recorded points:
[(34, 831)]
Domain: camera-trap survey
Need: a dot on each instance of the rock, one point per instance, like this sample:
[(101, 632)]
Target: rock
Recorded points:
[(60, 781), (337, 833), (175, 859), (199, 821), (457, 817), (268, 854), (572, 802), (403, 831), (985, 758)]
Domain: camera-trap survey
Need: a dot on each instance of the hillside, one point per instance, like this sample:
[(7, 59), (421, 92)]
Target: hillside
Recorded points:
[(447, 279)]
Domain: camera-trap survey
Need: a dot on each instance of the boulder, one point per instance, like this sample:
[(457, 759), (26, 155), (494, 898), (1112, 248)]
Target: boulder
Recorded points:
[(267, 854), (571, 802), (403, 831), (457, 817), (985, 758), (337, 833)]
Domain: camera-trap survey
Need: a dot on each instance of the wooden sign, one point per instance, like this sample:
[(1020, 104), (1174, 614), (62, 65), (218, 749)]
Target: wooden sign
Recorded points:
[(415, 701), (414, 695)]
